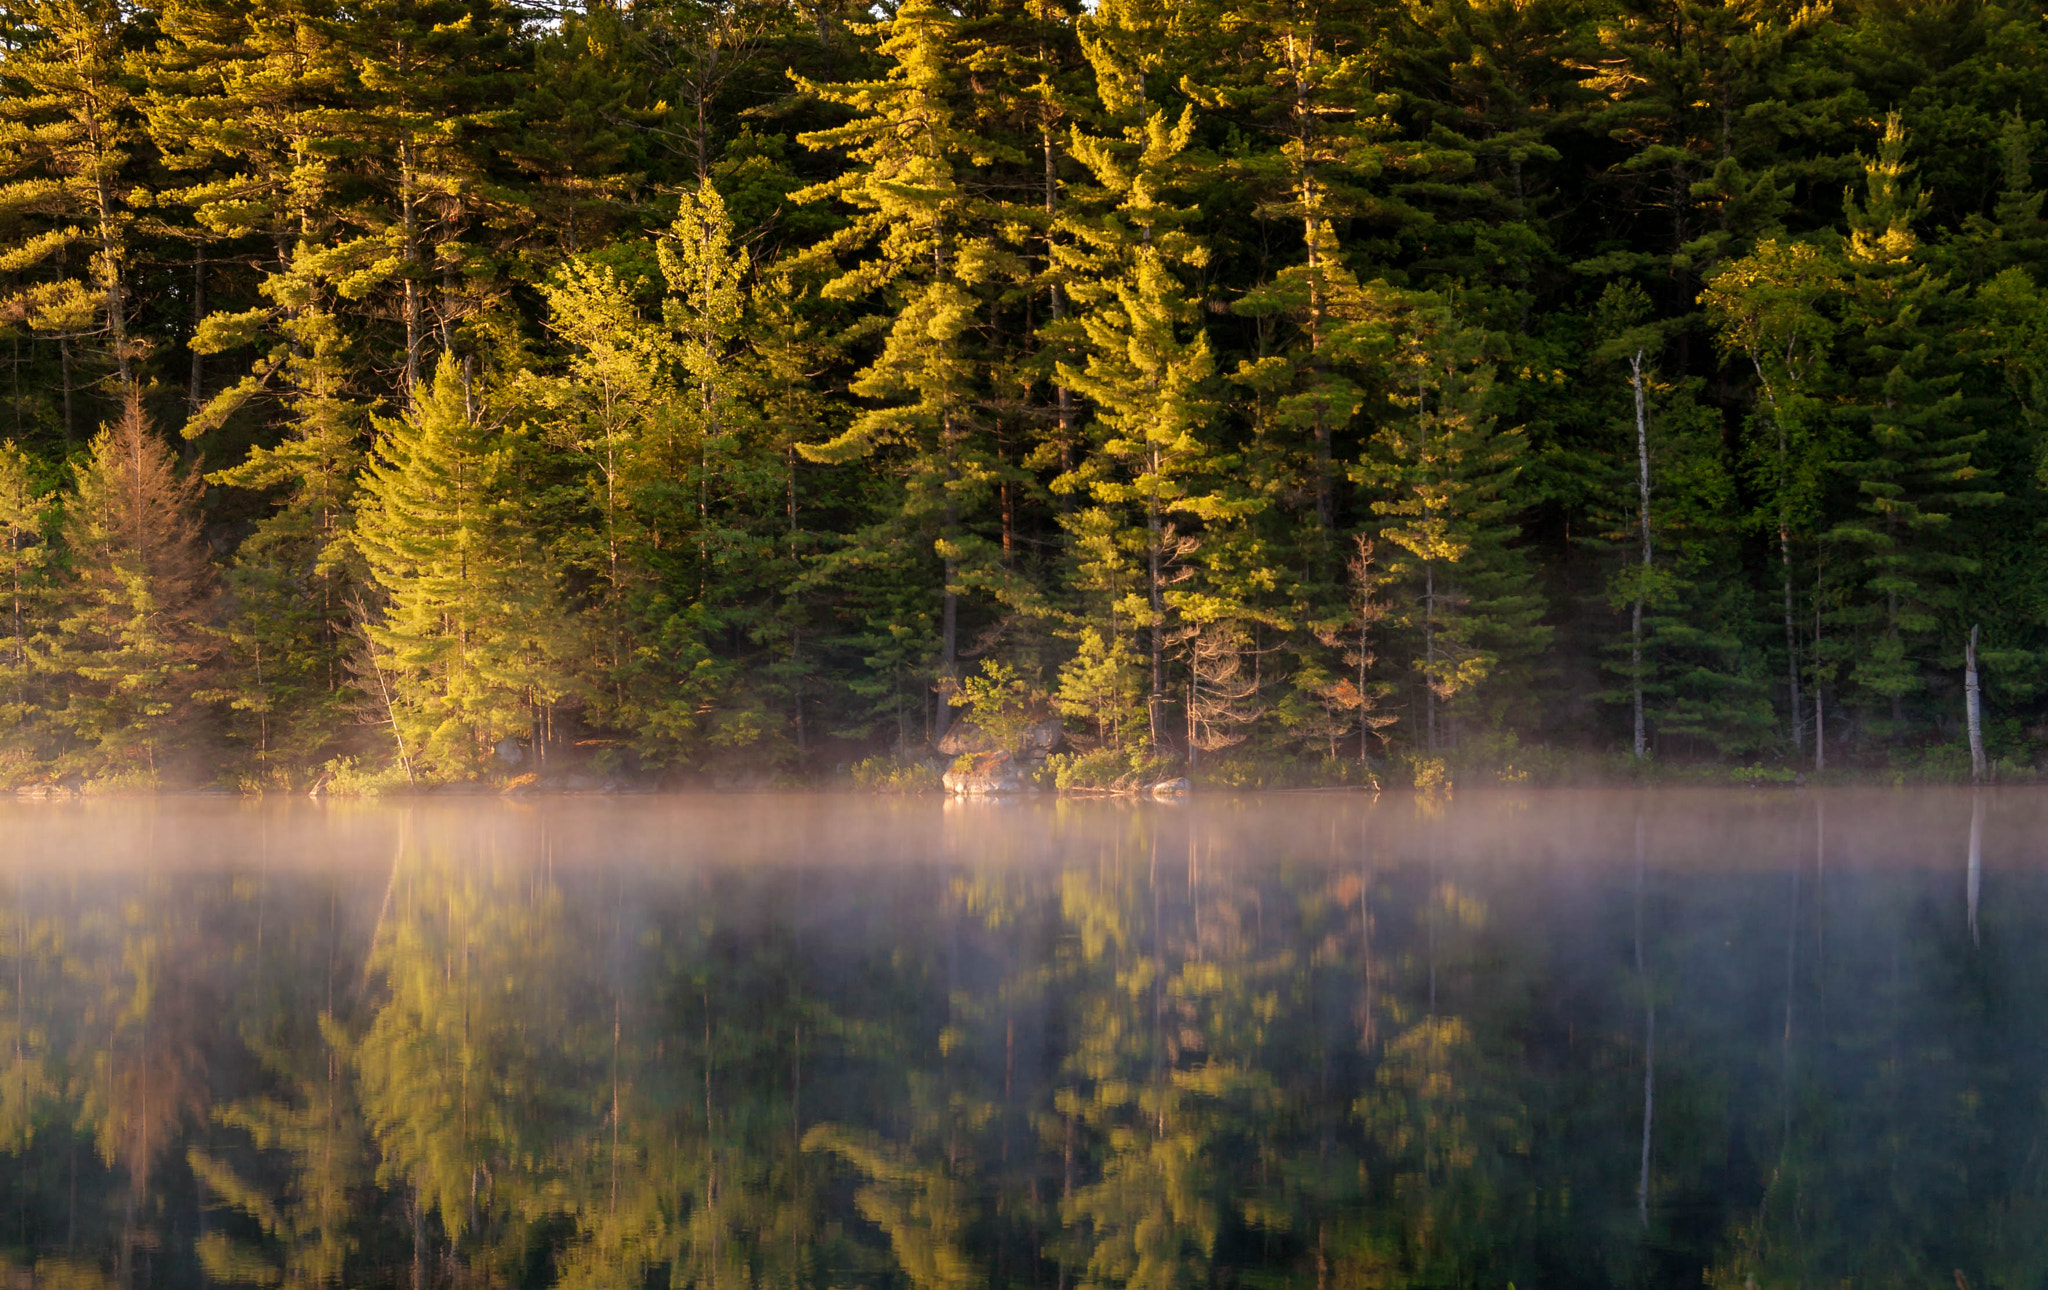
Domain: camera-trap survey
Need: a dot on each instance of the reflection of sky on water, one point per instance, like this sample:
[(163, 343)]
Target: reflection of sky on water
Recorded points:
[(1299, 1039)]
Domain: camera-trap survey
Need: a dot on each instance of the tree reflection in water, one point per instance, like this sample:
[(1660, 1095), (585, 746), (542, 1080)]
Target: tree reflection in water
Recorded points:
[(1315, 1041)]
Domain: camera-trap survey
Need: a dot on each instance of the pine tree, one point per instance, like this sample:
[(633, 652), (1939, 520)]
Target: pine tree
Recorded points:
[(429, 100), (608, 411), (470, 632), (1306, 80), (1689, 664), (1914, 468), (68, 138), (128, 641), (1148, 364), (26, 512), (926, 239), (792, 348), (250, 104), (1443, 470), (706, 306), (1770, 307)]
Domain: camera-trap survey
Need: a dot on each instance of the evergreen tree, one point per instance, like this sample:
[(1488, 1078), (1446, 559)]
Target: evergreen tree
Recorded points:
[(470, 632), (1305, 77), (1914, 462), (609, 411), (1148, 364), (25, 518), (1770, 307), (1690, 666), (1444, 468), (428, 102), (68, 139), (128, 641), (926, 239)]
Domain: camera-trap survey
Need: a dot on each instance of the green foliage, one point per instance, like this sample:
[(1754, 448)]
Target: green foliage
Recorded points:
[(127, 644), (1110, 770), (1000, 703), (683, 392), (894, 775)]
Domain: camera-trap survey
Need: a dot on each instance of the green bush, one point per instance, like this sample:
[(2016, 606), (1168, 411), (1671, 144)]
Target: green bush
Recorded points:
[(895, 775), (1000, 703), (345, 777), (1109, 770)]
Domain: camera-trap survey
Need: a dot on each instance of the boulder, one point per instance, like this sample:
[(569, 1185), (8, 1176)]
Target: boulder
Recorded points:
[(1167, 788), (985, 775)]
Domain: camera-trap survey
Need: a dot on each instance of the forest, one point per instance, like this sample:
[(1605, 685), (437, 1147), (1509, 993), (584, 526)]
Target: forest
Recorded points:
[(723, 391)]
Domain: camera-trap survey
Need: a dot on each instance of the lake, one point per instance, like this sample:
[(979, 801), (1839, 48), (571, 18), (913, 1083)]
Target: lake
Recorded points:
[(1549, 1039)]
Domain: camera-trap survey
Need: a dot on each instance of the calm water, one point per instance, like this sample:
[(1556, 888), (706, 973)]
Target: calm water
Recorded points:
[(1735, 1038)]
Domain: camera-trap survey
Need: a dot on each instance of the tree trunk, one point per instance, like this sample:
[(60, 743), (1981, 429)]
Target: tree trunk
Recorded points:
[(1820, 719), (1785, 563), (1429, 648), (1973, 710), (409, 218), (195, 398), (1155, 598), (64, 372), (949, 630), (1791, 644), (1643, 512)]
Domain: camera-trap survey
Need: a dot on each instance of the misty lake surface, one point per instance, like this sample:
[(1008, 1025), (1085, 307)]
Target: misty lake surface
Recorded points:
[(1768, 1038)]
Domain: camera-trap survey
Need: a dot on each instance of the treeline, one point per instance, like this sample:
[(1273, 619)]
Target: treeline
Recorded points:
[(713, 387)]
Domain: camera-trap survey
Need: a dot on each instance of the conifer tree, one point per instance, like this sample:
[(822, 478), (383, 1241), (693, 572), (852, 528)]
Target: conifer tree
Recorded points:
[(250, 107), (1442, 470), (1915, 468), (128, 641), (706, 305), (1148, 363), (469, 631), (429, 96), (606, 411), (925, 238), (1306, 79), (250, 104), (792, 348), (68, 141), (1769, 307), (25, 516), (1689, 664)]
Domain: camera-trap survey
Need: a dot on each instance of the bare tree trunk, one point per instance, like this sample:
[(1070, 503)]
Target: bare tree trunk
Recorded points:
[(64, 371), (385, 696), (409, 217), (1785, 563), (1429, 648), (1791, 642), (1642, 747), (195, 398), (1156, 600), (1820, 719), (1973, 710), (949, 633)]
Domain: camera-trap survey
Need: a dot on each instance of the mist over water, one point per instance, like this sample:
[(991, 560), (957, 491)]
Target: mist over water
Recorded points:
[(1317, 1040)]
